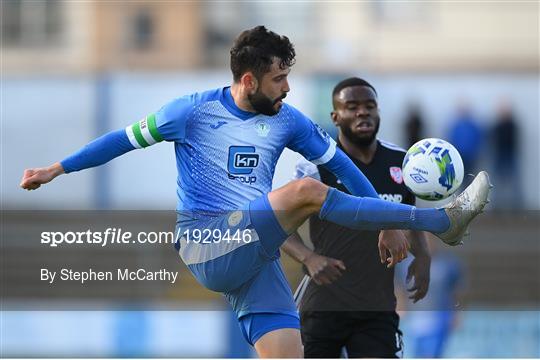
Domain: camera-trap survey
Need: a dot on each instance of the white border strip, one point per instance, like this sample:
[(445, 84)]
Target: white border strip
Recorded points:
[(131, 137), (328, 155)]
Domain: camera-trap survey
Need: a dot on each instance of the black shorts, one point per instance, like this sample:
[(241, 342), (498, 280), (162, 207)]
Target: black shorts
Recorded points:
[(331, 334)]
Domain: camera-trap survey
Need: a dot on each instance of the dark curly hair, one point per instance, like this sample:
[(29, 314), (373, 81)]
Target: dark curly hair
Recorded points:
[(254, 49), (352, 81)]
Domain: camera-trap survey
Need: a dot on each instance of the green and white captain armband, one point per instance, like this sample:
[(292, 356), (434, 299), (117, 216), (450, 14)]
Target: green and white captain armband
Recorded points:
[(144, 133)]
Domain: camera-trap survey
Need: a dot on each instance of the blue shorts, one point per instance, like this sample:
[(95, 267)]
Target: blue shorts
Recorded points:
[(240, 258), (254, 326)]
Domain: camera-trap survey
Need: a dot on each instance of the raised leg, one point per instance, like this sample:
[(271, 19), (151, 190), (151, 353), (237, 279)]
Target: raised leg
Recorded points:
[(296, 201)]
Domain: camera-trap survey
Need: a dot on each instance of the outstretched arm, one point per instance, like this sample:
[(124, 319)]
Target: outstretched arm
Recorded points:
[(419, 269), (167, 124), (34, 178), (322, 269), (98, 152)]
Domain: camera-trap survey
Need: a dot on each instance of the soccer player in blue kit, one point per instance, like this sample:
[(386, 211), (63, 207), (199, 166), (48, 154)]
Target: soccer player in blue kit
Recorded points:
[(227, 142)]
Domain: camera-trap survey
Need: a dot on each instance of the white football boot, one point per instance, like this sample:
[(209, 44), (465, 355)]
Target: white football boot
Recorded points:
[(465, 207)]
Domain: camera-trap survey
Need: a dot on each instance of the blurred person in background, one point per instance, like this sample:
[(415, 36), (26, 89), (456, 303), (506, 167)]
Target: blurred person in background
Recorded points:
[(505, 142), (430, 322), (348, 298), (467, 136), (414, 124)]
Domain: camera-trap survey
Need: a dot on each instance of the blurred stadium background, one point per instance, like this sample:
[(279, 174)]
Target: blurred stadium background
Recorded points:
[(73, 70)]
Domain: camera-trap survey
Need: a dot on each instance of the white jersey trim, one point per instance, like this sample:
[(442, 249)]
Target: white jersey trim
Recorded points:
[(131, 137), (391, 146), (300, 291), (145, 131), (328, 155), (305, 169)]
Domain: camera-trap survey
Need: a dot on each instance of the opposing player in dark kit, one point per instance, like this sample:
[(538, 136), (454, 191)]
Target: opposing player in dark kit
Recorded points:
[(349, 300)]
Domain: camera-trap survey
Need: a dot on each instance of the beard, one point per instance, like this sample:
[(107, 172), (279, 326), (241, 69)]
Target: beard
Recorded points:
[(360, 140), (263, 104)]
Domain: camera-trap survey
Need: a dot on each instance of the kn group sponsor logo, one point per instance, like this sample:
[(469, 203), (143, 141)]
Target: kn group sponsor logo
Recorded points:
[(242, 161)]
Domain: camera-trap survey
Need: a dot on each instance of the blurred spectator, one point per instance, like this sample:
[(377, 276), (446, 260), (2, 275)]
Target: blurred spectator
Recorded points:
[(429, 323), (467, 136), (505, 140), (414, 124)]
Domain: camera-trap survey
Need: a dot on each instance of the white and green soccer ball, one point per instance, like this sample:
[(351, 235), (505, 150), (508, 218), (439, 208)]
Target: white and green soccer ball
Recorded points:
[(432, 169)]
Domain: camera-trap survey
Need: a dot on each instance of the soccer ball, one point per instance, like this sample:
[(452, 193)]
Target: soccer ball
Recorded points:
[(432, 169)]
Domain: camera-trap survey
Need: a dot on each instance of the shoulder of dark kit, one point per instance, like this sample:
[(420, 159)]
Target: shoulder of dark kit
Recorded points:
[(392, 150)]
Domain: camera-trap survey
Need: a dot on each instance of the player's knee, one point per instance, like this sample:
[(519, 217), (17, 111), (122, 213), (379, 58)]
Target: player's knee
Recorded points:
[(309, 191)]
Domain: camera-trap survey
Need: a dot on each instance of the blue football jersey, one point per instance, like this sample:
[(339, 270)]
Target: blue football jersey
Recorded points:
[(226, 156)]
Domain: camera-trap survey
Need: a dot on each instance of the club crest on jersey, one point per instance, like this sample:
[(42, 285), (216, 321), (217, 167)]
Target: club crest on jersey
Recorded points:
[(262, 128), (396, 174)]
